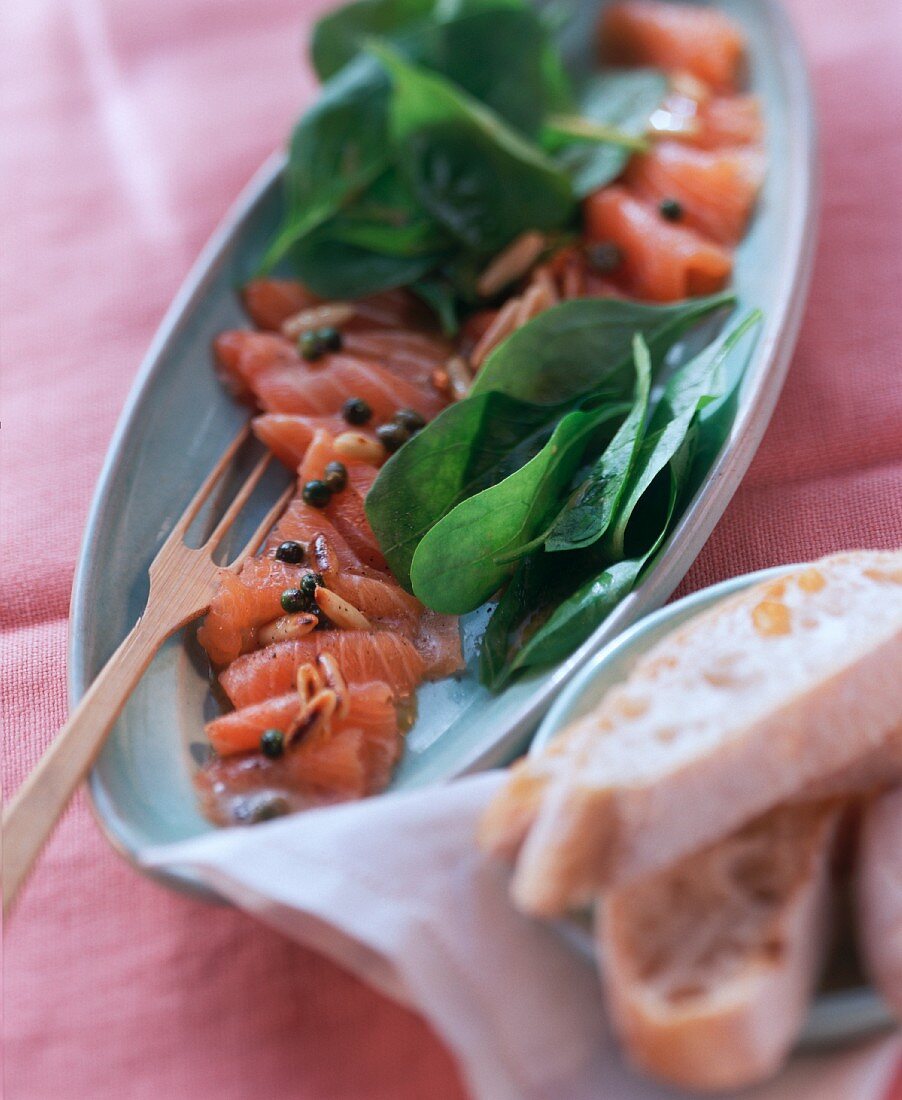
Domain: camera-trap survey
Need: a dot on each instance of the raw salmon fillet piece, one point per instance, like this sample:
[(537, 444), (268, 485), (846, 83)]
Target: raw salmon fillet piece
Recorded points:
[(716, 189), (270, 302), (371, 706), (701, 41), (662, 261), (269, 368), (363, 657), (352, 759)]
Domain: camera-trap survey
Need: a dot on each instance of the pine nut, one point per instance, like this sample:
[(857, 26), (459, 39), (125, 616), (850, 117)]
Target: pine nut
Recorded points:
[(340, 612), (287, 627), (511, 264), (359, 448), (330, 315)]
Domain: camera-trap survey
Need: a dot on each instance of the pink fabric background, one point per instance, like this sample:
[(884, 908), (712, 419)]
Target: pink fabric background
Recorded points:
[(129, 126)]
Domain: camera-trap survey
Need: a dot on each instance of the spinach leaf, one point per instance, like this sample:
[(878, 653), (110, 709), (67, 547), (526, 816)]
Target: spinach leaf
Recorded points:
[(581, 345), (455, 566), (339, 36), (555, 600), (591, 508), (338, 149), (387, 219), (466, 448), (334, 269), (576, 617), (686, 394), (474, 174), (622, 102)]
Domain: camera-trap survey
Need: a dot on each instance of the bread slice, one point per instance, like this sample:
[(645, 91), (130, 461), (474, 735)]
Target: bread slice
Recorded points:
[(878, 895), (782, 686), (708, 966)]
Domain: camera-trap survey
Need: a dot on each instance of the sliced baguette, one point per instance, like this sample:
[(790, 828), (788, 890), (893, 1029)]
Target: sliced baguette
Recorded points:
[(708, 966), (879, 895), (780, 687)]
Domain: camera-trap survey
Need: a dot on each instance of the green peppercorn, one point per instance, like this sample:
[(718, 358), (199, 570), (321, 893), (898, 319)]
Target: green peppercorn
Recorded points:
[(316, 493), (292, 553), (671, 210), (605, 257), (356, 411), (330, 338), (310, 346), (293, 600), (392, 436), (336, 476), (309, 584), (410, 419), (272, 743)]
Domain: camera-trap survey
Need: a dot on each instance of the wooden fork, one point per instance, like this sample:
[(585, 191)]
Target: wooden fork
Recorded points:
[(182, 583)]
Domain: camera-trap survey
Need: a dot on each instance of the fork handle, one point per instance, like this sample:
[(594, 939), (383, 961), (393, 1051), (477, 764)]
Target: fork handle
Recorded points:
[(30, 816)]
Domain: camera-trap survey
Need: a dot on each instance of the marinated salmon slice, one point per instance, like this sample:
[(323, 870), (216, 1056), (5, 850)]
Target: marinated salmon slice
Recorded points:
[(410, 355), (363, 657), (269, 368), (244, 602), (352, 759), (716, 190), (701, 41), (662, 262), (288, 436), (270, 302), (371, 708), (302, 523), (714, 122), (346, 509)]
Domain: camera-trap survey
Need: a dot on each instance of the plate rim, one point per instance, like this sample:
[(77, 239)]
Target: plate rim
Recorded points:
[(774, 351)]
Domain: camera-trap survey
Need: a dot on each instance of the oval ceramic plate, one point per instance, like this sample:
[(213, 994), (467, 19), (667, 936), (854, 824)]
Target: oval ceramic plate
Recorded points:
[(178, 420), (842, 1015)]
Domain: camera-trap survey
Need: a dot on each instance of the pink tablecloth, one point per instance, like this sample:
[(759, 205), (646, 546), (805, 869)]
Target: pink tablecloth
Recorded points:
[(128, 128)]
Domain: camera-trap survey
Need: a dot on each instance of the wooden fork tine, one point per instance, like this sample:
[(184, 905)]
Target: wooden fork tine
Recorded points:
[(264, 528), (238, 502), (197, 501)]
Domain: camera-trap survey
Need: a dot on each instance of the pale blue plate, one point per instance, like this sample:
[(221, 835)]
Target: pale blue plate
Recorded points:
[(178, 419), (843, 1015)]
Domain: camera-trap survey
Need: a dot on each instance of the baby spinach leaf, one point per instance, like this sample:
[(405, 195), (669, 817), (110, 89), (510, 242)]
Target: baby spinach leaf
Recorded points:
[(466, 448), (582, 345), (455, 566), (333, 268), (690, 389), (339, 36), (575, 618), (338, 149), (622, 102), (590, 509), (387, 219), (474, 174)]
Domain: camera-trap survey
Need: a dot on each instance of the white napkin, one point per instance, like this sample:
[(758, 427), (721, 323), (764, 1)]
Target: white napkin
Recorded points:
[(395, 890)]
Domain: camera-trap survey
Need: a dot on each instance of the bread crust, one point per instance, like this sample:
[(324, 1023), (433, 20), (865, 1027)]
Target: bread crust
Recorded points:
[(722, 1030), (878, 890)]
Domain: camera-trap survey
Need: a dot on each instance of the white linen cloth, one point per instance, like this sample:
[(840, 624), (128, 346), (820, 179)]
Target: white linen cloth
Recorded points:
[(394, 889)]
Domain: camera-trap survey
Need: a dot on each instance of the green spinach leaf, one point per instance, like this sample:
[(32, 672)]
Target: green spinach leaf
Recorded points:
[(466, 448), (693, 386), (339, 36), (455, 567), (591, 508), (338, 149), (473, 173), (618, 102), (582, 345)]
